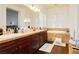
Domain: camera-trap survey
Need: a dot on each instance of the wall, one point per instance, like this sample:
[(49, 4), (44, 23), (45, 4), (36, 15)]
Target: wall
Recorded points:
[(64, 16), (39, 20), (57, 17), (73, 19), (2, 17), (78, 23), (42, 20)]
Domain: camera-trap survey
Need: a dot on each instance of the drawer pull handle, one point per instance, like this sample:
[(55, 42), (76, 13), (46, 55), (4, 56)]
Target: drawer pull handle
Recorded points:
[(16, 48)]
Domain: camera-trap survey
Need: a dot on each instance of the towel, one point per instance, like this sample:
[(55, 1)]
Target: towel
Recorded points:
[(58, 42), (47, 47)]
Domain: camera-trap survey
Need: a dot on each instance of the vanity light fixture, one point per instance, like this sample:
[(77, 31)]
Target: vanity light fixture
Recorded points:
[(27, 20), (32, 7)]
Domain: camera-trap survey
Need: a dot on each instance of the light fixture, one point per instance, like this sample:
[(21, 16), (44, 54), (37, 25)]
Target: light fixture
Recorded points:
[(32, 7), (27, 20)]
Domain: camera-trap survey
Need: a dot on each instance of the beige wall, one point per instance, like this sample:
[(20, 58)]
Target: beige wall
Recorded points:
[(58, 16), (73, 19), (2, 17), (63, 16)]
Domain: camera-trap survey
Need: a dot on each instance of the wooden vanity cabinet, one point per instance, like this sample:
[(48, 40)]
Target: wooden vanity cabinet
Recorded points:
[(9, 47), (30, 44), (24, 45), (45, 36), (42, 38), (35, 42)]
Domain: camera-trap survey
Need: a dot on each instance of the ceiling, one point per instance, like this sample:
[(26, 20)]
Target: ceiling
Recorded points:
[(46, 7), (43, 7), (49, 6)]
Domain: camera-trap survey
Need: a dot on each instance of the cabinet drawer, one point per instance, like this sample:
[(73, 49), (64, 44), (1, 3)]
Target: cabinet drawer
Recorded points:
[(8, 47), (9, 50), (6, 44)]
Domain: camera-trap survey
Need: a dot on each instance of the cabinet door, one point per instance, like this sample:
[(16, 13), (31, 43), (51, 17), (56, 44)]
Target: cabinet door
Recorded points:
[(35, 42), (45, 36), (8, 47), (24, 45), (41, 39)]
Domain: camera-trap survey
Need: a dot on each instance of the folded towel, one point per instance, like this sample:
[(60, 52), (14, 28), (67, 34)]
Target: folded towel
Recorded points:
[(58, 42), (47, 47)]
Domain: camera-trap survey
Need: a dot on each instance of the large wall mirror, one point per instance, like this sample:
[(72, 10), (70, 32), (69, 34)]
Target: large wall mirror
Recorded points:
[(12, 19)]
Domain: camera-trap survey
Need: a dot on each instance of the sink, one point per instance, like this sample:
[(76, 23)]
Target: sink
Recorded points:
[(10, 36)]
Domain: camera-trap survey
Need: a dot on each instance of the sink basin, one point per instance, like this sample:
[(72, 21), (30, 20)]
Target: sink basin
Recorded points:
[(10, 36)]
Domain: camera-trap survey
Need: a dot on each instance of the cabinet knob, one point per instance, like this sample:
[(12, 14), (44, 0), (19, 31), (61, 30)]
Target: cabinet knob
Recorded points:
[(16, 48), (19, 46)]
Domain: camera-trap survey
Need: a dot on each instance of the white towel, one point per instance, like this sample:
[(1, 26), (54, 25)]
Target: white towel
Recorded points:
[(58, 42), (47, 47)]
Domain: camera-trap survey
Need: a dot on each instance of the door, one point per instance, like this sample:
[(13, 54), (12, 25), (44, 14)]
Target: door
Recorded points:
[(35, 42)]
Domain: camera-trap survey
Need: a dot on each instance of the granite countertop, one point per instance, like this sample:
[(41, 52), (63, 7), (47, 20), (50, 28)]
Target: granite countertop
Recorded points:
[(9, 37)]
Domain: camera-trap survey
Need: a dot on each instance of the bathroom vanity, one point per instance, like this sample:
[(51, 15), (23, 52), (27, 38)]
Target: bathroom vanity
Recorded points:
[(22, 43)]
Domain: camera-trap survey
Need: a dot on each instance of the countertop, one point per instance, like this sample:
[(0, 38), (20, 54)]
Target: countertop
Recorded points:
[(9, 37), (57, 32)]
